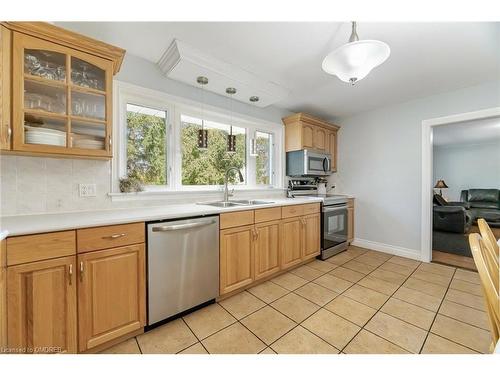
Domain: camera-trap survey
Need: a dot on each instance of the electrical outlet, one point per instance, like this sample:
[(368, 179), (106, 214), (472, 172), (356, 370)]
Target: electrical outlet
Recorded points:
[(87, 190)]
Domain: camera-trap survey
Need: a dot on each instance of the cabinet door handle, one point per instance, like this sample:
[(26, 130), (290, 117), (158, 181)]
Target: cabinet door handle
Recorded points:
[(71, 274), (114, 236), (110, 142), (81, 271), (9, 132)]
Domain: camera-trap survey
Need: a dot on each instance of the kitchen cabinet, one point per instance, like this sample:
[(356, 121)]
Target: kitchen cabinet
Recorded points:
[(61, 98), (311, 226), (303, 131), (42, 314), (237, 247), (5, 88), (267, 248), (292, 242), (111, 294)]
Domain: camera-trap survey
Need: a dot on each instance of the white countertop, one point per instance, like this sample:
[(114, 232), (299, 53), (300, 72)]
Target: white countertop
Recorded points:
[(31, 224)]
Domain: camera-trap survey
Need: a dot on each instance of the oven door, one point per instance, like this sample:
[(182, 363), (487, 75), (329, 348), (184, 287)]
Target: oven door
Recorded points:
[(317, 164), (334, 227)]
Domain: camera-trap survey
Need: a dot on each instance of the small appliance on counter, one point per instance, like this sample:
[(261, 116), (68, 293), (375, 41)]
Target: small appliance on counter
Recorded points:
[(334, 223)]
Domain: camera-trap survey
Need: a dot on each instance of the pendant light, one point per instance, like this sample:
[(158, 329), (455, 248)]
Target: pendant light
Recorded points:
[(353, 61), (202, 133), (253, 142), (231, 139)]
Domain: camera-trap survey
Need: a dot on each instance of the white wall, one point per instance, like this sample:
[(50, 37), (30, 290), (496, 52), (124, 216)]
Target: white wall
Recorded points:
[(380, 164), (467, 166)]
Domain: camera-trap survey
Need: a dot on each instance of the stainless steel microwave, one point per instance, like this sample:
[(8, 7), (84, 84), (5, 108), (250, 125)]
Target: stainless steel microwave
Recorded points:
[(308, 163)]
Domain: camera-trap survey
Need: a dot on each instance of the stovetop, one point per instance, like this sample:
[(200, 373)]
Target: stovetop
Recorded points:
[(328, 199)]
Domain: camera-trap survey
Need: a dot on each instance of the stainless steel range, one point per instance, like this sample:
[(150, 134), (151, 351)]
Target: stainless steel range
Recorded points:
[(333, 214)]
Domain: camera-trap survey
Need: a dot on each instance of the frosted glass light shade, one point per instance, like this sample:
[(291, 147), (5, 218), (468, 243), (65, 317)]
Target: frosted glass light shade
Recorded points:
[(353, 61)]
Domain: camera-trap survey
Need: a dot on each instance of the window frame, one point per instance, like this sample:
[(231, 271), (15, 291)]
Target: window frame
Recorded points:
[(125, 93)]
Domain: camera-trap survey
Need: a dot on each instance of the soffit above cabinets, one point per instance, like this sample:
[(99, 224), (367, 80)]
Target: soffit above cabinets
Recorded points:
[(184, 63)]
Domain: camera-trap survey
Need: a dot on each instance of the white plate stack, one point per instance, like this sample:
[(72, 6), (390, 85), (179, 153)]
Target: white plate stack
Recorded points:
[(44, 136), (88, 141)]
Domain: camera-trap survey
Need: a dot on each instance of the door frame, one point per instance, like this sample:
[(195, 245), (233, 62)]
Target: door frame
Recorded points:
[(427, 160)]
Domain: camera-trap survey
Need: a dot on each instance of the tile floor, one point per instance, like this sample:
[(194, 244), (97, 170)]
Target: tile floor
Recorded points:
[(359, 301)]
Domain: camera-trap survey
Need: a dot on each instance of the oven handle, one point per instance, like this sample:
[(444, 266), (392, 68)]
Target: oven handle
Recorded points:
[(332, 209)]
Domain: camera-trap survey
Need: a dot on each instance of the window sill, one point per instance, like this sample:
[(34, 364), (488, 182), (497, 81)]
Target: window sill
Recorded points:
[(199, 194)]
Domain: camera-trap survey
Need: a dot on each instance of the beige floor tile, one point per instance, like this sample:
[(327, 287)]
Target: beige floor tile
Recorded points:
[(461, 333), (307, 272), (378, 254), (242, 304), (366, 342), (356, 251), (467, 287), (425, 287), (208, 320), (322, 265), (443, 280), (398, 332), (439, 345), (378, 285), (268, 324), (418, 298), (465, 314), (389, 276), (169, 338), (409, 313), (471, 277), (367, 296), (295, 307), (235, 339), (347, 274), (404, 261), (351, 310), (370, 260), (127, 347), (437, 269), (195, 349), (267, 351), (466, 299), (289, 281), (332, 328), (268, 291), (333, 283), (397, 268), (301, 341), (340, 259), (359, 267), (316, 293)]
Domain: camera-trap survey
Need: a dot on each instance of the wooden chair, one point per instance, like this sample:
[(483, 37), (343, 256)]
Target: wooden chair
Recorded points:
[(489, 275), (488, 237)]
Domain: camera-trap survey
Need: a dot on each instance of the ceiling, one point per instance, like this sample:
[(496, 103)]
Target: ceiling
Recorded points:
[(426, 58), (467, 132)]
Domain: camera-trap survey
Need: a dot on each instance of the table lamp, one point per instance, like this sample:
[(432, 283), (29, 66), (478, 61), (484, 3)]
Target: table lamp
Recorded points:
[(440, 184)]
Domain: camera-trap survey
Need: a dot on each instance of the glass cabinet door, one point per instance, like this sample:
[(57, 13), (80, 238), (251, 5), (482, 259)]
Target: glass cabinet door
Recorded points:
[(63, 99)]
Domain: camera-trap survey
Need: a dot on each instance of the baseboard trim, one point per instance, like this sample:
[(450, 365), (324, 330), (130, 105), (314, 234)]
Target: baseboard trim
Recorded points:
[(386, 248)]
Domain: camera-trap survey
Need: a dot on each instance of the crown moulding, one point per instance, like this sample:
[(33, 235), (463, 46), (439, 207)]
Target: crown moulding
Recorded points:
[(184, 63), (55, 34)]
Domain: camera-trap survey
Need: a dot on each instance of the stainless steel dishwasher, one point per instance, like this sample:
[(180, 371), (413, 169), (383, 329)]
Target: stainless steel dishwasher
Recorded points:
[(183, 265)]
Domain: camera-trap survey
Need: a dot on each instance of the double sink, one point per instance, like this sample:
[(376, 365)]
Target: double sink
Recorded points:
[(233, 203)]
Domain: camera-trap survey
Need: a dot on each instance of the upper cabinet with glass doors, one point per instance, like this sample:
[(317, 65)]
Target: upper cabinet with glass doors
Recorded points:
[(61, 92)]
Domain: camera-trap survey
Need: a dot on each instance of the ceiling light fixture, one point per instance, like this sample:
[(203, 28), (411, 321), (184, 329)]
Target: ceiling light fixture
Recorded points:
[(202, 133), (253, 142), (353, 61), (231, 139)]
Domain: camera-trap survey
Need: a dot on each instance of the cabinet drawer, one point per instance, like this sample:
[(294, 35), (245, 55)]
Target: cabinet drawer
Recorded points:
[(236, 219), (98, 238), (32, 248), (310, 208), (267, 214), (291, 211)]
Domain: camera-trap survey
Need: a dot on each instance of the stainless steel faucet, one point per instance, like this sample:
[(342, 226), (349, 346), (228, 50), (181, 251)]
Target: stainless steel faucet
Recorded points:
[(226, 190)]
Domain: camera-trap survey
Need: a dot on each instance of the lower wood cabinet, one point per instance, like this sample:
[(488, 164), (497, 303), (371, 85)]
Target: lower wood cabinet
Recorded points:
[(236, 258), (111, 294), (267, 248), (291, 235), (42, 314), (311, 239)]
